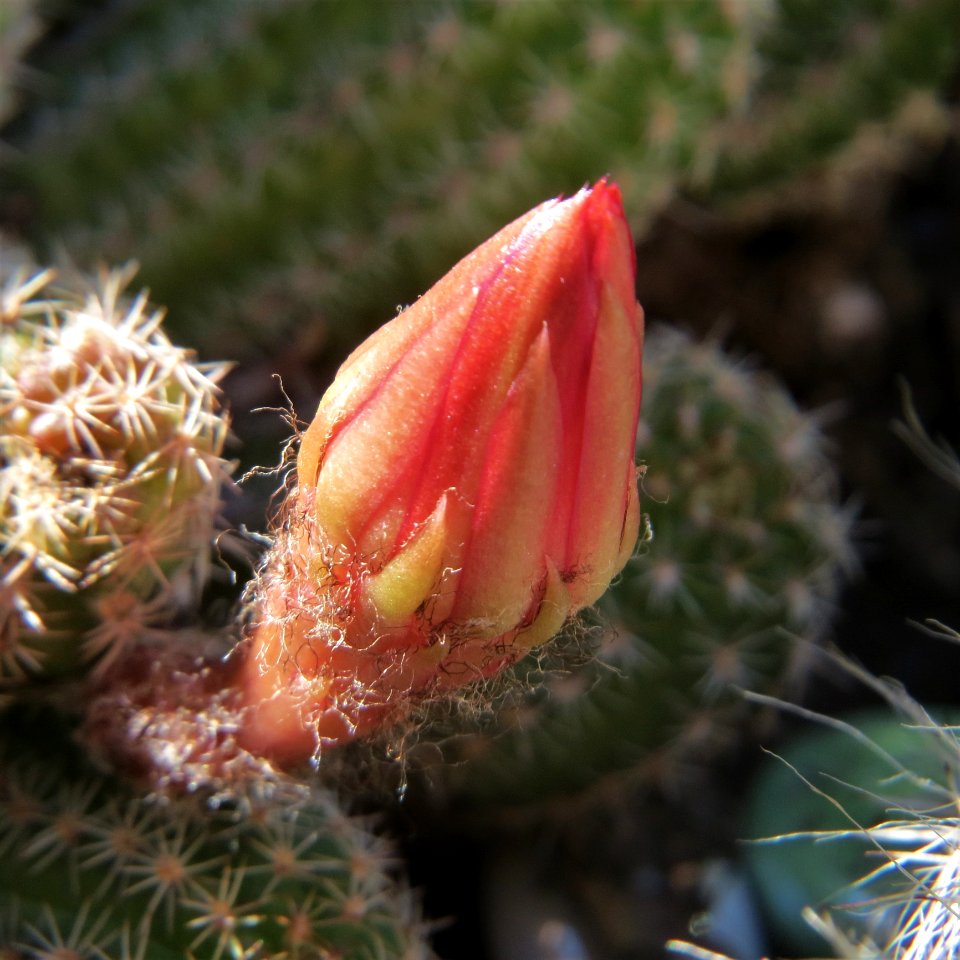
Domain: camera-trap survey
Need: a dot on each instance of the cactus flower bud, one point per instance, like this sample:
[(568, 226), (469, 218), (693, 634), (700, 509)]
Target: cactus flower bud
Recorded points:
[(467, 484)]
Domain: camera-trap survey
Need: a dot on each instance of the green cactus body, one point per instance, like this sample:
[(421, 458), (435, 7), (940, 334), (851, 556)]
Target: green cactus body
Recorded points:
[(315, 160), (89, 867), (742, 567), (111, 473)]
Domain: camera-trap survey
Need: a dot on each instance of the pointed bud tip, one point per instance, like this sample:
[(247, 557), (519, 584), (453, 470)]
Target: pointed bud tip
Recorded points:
[(602, 200)]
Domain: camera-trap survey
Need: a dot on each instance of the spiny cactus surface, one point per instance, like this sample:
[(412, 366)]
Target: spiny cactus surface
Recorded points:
[(748, 542), (111, 473), (89, 869)]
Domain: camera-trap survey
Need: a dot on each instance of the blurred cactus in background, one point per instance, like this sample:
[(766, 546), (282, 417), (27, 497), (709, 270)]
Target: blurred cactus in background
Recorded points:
[(827, 75), (749, 545), (111, 474), (302, 161), (290, 161)]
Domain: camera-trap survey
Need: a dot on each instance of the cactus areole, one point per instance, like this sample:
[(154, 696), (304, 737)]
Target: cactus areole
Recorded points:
[(467, 484)]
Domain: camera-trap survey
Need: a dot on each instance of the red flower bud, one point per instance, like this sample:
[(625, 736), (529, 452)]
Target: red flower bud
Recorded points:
[(466, 486)]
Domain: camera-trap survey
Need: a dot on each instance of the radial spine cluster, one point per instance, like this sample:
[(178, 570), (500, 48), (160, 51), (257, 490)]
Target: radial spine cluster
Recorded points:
[(111, 473)]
